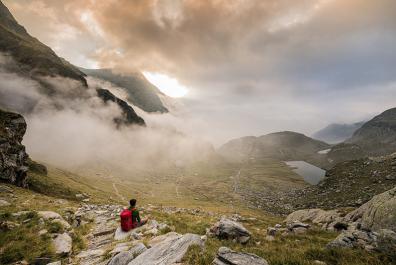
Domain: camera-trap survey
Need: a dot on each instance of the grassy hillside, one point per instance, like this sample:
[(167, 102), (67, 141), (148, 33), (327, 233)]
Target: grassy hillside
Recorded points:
[(35, 57)]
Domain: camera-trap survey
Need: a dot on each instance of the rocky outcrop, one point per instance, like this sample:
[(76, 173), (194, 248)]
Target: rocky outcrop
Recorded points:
[(372, 226), (124, 257), (228, 229), (128, 115), (327, 220), (13, 157), (226, 256), (171, 249), (378, 213)]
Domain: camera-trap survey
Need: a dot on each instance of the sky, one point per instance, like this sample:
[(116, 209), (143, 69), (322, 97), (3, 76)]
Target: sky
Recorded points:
[(250, 66)]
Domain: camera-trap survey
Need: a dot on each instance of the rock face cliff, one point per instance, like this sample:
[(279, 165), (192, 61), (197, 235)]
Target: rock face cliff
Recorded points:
[(13, 157)]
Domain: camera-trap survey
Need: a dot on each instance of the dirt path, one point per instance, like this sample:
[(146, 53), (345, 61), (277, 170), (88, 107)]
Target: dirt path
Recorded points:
[(117, 192)]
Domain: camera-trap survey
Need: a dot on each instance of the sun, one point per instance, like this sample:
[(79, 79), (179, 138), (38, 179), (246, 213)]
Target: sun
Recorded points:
[(168, 85)]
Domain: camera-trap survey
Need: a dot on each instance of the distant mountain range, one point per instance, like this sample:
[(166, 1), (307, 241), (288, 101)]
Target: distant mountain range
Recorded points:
[(377, 137), (337, 133)]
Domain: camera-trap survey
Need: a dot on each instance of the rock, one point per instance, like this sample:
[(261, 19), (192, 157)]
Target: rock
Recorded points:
[(354, 238), (121, 235), (299, 230), (325, 219), (4, 203), (228, 229), (8, 225), (271, 231), (55, 263), (49, 215), (121, 247), (13, 157), (124, 257), (151, 232), (386, 241), (62, 244), (318, 262), (91, 253), (168, 251), (226, 256), (5, 189), (43, 232), (161, 238), (378, 213), (80, 196), (295, 225), (62, 222)]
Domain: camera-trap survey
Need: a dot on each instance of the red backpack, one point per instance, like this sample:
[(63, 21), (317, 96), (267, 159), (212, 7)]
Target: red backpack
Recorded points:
[(126, 220)]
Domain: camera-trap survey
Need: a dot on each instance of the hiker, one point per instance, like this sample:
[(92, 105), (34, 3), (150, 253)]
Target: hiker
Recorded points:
[(136, 221), (130, 217)]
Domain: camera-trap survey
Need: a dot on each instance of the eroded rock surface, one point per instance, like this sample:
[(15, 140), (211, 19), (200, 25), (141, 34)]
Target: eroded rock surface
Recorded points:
[(168, 251), (13, 157), (226, 256)]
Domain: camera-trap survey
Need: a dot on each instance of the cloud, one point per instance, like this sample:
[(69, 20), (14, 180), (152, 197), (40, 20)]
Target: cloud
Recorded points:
[(73, 129), (252, 66)]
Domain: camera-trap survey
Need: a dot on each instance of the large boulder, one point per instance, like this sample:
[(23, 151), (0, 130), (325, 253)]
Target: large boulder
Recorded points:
[(13, 157), (228, 229), (226, 256), (168, 251), (378, 213)]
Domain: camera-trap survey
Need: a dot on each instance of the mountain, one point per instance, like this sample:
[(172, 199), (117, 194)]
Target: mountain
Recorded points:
[(280, 145), (378, 136), (140, 91), (33, 60), (337, 133), (129, 117)]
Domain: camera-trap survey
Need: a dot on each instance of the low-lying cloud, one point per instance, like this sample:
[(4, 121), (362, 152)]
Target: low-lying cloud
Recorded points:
[(73, 129)]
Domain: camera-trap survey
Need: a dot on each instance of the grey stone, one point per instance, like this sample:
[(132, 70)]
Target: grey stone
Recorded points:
[(4, 203), (228, 229), (55, 263), (62, 244), (169, 251), (125, 257), (121, 235), (226, 256)]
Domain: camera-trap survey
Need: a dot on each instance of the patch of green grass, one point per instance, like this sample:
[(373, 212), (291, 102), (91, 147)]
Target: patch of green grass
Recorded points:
[(54, 227), (287, 250), (23, 242), (78, 237)]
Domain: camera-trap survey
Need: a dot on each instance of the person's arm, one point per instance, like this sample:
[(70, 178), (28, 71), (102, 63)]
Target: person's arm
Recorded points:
[(136, 215)]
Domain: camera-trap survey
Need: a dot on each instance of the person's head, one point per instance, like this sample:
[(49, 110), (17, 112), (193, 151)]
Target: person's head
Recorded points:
[(132, 202)]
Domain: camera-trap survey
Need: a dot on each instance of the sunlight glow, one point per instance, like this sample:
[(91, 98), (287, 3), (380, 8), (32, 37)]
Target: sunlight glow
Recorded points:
[(168, 85)]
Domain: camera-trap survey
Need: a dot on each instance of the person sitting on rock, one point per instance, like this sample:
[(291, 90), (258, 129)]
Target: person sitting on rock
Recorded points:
[(136, 221)]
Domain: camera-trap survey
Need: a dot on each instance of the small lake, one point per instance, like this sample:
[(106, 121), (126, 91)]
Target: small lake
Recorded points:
[(310, 173)]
